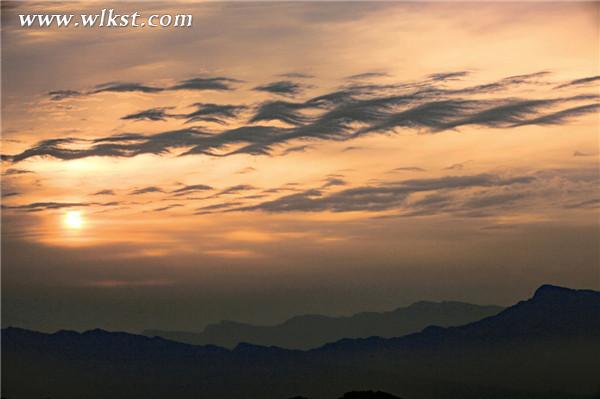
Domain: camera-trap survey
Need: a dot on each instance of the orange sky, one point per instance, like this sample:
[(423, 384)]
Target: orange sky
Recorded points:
[(399, 200)]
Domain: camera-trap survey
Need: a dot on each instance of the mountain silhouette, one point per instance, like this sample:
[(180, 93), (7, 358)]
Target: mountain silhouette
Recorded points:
[(544, 347), (311, 331)]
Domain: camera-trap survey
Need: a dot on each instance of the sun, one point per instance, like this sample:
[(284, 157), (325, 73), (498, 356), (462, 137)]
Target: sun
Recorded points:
[(73, 220)]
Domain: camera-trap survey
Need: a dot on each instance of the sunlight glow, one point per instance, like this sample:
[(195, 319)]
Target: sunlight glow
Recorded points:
[(73, 220)]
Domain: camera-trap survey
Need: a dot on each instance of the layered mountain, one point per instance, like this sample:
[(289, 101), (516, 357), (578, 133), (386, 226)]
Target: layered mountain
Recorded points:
[(544, 347), (311, 331)]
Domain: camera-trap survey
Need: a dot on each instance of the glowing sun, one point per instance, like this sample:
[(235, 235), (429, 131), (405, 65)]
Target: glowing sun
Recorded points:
[(73, 220)]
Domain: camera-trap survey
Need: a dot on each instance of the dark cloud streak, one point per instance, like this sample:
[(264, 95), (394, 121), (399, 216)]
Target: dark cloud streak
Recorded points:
[(282, 87), (198, 83), (380, 197), (340, 115)]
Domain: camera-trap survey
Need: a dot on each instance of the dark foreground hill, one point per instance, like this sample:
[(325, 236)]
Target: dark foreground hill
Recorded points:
[(311, 331), (545, 347)]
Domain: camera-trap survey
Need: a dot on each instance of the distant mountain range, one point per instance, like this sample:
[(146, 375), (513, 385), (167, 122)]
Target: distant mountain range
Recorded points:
[(545, 347), (311, 331)]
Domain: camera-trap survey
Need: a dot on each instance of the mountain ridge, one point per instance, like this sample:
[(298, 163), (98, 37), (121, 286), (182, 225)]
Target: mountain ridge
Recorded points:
[(541, 348), (311, 331)]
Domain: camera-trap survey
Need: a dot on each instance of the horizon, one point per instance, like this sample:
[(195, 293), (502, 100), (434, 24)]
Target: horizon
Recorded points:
[(502, 309)]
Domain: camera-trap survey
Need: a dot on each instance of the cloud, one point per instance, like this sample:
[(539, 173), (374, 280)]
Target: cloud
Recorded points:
[(152, 114), (123, 145), (547, 187), (296, 75), (580, 82), (236, 189), (104, 192), (213, 112), (591, 203), (444, 76), (339, 115), (578, 153), (10, 194), (379, 197), (352, 148), (506, 83), (282, 87), (562, 116), (37, 206), (334, 181), (494, 199), (408, 169), (59, 95), (205, 112), (456, 166), (118, 87), (146, 190), (444, 115), (255, 140), (299, 148), (166, 208), (205, 210), (41, 206), (367, 75), (287, 112), (254, 196), (192, 188), (15, 171), (199, 83)]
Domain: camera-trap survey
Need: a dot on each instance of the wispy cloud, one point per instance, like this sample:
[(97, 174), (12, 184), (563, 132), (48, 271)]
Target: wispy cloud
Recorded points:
[(15, 171), (236, 189), (578, 153), (58, 95), (146, 190), (379, 197), (298, 148), (191, 188), (296, 75), (352, 148), (206, 83), (205, 112), (457, 166), (334, 181), (216, 207), (104, 192), (444, 76), (367, 75), (345, 114), (580, 82), (408, 169), (282, 87), (118, 87), (166, 208), (152, 114), (41, 206), (198, 83)]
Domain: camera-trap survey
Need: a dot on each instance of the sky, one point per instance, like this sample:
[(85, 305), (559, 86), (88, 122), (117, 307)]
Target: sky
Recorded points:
[(279, 159)]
